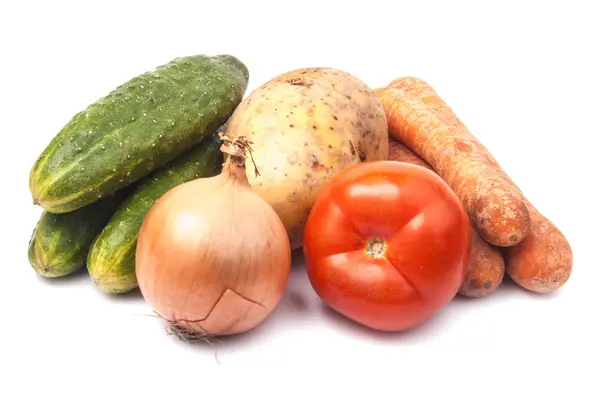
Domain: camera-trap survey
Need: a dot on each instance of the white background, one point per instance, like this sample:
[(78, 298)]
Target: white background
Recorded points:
[(524, 76)]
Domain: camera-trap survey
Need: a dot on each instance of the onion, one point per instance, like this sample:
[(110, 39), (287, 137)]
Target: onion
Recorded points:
[(213, 258)]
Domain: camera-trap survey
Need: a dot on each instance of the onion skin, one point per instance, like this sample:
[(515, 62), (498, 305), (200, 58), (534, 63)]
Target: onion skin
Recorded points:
[(212, 256)]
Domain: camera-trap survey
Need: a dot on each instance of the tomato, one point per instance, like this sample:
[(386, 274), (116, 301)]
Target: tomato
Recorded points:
[(387, 244)]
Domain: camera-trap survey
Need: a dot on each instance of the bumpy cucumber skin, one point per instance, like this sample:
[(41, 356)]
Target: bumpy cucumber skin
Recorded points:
[(60, 243), (111, 260), (137, 128)]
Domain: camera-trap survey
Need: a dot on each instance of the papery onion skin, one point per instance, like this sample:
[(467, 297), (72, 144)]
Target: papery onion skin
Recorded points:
[(212, 256)]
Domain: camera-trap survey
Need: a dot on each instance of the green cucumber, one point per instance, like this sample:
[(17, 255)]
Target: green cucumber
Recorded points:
[(111, 260), (137, 128), (60, 243)]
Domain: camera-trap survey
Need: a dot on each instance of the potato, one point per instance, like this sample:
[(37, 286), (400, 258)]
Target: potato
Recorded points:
[(306, 126)]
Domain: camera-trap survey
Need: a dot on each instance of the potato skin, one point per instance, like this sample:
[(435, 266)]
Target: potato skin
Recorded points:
[(306, 126)]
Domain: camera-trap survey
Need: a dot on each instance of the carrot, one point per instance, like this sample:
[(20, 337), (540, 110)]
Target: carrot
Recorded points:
[(419, 118), (397, 151), (486, 267), (543, 261)]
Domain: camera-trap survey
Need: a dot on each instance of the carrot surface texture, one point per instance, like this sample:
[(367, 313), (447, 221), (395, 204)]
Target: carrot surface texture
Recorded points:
[(543, 261), (420, 119)]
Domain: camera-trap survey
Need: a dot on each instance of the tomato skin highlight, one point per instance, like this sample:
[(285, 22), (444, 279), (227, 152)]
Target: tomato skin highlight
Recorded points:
[(387, 244)]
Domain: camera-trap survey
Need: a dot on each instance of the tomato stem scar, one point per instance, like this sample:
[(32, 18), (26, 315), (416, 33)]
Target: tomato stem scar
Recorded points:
[(376, 247)]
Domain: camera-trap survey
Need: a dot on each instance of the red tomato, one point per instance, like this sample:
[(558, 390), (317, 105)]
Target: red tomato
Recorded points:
[(387, 244)]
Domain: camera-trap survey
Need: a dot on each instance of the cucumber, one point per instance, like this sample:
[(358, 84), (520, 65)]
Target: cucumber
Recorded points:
[(111, 260), (60, 243), (137, 128)]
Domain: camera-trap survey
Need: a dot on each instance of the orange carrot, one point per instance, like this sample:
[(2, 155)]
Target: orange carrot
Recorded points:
[(543, 261), (486, 267), (419, 118), (397, 151)]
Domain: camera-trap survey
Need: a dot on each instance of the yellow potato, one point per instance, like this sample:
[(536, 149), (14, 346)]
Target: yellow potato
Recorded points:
[(306, 126)]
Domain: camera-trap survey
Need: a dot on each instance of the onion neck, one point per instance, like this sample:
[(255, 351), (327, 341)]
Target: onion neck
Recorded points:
[(235, 169), (235, 164)]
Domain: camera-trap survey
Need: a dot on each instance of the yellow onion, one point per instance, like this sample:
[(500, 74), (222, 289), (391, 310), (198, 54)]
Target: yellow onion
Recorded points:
[(213, 258)]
